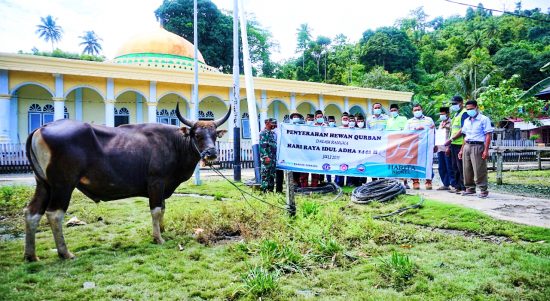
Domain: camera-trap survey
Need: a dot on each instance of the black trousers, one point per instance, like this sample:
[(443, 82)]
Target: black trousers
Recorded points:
[(458, 172), (279, 177)]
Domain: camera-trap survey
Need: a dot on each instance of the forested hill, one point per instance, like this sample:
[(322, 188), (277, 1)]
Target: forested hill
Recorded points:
[(432, 56)]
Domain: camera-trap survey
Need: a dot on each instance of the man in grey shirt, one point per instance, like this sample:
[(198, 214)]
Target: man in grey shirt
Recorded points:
[(477, 130)]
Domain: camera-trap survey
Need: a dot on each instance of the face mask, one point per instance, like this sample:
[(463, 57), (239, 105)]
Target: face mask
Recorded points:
[(331, 123), (295, 120), (352, 124), (472, 112), (377, 111), (394, 114), (361, 124), (309, 122), (417, 114), (455, 108), (442, 117), (345, 122), (320, 120)]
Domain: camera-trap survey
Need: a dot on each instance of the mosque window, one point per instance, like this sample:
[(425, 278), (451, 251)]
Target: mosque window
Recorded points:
[(201, 115), (209, 115), (286, 119), (163, 116), (38, 116), (174, 119), (122, 116)]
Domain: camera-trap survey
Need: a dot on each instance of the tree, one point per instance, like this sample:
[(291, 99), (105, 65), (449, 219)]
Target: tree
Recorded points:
[(215, 33), (378, 78), (390, 48), (505, 101), (91, 43), (303, 35), (49, 30)]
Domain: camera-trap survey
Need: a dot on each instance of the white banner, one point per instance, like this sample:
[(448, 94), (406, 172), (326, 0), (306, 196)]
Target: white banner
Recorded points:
[(355, 152)]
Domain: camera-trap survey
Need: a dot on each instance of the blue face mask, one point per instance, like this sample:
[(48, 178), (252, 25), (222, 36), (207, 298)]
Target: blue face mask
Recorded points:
[(295, 120), (417, 114), (377, 111), (394, 114), (331, 123), (472, 112), (455, 108), (442, 117), (320, 120), (309, 122)]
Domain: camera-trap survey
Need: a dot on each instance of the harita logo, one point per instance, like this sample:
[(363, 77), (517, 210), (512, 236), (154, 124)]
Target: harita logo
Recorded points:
[(402, 149)]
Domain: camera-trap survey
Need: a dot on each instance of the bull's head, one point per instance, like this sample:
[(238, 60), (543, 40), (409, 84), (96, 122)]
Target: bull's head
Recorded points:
[(204, 134)]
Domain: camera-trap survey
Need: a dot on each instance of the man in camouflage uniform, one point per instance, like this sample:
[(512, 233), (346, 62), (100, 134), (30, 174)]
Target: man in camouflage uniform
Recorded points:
[(268, 153)]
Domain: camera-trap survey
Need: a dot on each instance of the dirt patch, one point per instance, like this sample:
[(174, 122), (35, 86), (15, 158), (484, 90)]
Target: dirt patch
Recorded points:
[(495, 239)]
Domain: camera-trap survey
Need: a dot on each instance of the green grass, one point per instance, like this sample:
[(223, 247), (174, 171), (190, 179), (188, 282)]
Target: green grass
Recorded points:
[(330, 250), (534, 183)]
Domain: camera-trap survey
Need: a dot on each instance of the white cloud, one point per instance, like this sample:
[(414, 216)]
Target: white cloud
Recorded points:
[(117, 20)]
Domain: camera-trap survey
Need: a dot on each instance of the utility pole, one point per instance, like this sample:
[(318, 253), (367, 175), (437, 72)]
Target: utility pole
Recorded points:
[(196, 84), (236, 96), (250, 96)]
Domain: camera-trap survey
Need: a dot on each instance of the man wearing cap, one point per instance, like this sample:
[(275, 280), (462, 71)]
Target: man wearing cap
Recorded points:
[(268, 153), (477, 131), (418, 123), (319, 121), (458, 113), (395, 122), (296, 118), (378, 120), (445, 166), (331, 121)]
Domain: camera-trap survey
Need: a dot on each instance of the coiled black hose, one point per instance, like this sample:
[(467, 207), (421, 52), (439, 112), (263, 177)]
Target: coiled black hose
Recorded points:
[(382, 190), (327, 188)]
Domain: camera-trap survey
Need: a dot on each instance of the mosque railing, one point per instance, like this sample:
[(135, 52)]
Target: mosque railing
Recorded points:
[(226, 154), (13, 158)]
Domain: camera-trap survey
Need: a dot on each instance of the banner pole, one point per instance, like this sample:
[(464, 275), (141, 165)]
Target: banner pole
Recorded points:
[(236, 96)]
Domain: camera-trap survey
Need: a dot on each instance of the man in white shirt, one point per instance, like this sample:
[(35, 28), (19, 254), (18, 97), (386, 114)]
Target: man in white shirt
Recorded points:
[(418, 123), (377, 121), (477, 130)]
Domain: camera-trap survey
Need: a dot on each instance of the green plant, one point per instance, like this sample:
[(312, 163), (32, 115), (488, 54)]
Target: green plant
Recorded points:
[(398, 270), (328, 247), (534, 137), (309, 208), (258, 281), (280, 257)]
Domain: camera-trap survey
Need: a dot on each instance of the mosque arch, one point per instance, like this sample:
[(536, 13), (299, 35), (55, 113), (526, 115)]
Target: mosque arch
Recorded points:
[(69, 91), (333, 110), (306, 107), (279, 110), (357, 110)]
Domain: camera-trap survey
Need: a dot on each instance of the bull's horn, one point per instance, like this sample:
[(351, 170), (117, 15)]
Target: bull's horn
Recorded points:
[(224, 118), (188, 123)]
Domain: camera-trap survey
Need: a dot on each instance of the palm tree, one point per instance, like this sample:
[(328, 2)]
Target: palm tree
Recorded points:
[(91, 43), (49, 30)]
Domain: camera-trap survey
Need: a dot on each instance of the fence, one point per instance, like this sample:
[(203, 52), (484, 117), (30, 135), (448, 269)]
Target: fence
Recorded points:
[(13, 158), (516, 156), (226, 154)]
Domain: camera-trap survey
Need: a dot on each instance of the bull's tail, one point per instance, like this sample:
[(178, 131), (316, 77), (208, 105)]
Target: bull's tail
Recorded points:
[(33, 162)]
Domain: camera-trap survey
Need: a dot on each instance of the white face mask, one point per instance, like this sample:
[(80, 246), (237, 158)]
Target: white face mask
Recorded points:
[(361, 124), (331, 123), (442, 117), (455, 108), (394, 114), (309, 122), (417, 114), (295, 120), (345, 122), (377, 111), (352, 124)]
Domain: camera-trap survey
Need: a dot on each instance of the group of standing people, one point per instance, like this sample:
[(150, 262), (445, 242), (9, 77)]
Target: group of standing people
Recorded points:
[(462, 159)]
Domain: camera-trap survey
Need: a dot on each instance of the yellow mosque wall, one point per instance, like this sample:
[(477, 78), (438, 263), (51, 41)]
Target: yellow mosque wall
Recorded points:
[(182, 89), (16, 78), (220, 92), (70, 82), (140, 86)]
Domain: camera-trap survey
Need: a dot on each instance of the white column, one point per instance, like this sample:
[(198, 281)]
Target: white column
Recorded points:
[(346, 104), (139, 108), (321, 102), (292, 102), (110, 113), (151, 112), (263, 107), (5, 110), (59, 98), (231, 120), (14, 118), (78, 104), (110, 103), (369, 108), (263, 116)]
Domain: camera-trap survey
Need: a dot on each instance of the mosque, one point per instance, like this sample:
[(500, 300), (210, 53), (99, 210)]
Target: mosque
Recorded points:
[(149, 75)]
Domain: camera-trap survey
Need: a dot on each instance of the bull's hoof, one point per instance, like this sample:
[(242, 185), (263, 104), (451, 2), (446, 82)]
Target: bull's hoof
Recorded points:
[(67, 255), (31, 258), (158, 240)]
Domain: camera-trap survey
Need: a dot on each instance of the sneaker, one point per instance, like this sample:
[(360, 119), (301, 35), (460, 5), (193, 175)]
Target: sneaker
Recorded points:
[(484, 194), (443, 188), (452, 190), (468, 192)]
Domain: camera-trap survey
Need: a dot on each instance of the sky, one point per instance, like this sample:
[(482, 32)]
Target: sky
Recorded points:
[(115, 21)]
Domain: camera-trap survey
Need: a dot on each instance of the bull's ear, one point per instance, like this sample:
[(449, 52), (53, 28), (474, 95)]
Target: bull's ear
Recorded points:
[(220, 133), (185, 130)]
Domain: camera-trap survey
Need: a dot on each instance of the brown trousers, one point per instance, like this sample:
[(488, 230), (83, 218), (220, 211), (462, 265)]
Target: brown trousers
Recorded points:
[(475, 168)]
